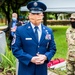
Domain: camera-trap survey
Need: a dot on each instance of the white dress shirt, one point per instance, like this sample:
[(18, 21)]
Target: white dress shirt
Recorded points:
[(39, 31)]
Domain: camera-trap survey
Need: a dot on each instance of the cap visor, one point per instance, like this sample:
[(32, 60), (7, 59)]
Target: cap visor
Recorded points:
[(36, 12)]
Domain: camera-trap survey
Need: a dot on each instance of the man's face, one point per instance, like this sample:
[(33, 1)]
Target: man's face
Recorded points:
[(14, 15), (72, 21), (36, 18)]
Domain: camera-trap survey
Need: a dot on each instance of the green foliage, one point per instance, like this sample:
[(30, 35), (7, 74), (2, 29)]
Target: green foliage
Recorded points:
[(2, 24), (50, 16), (8, 61), (58, 22)]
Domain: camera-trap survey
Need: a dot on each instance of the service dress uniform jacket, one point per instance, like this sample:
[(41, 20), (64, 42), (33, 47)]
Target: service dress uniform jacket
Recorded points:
[(25, 46), (9, 28)]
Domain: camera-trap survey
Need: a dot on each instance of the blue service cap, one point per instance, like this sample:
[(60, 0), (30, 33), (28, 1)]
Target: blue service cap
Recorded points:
[(36, 7)]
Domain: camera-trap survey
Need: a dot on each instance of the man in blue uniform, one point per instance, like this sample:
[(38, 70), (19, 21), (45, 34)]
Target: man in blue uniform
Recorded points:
[(12, 26), (33, 45)]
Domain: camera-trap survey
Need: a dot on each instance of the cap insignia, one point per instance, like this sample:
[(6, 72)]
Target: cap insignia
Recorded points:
[(35, 4)]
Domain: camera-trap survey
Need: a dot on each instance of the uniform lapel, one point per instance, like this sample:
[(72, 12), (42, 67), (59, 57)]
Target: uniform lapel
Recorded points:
[(31, 32)]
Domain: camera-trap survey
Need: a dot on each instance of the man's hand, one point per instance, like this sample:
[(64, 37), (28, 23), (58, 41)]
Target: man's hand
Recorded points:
[(42, 57), (13, 29), (36, 60), (39, 59), (1, 32)]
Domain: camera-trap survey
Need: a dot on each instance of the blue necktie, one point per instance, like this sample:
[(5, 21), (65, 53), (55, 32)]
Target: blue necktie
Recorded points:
[(36, 32)]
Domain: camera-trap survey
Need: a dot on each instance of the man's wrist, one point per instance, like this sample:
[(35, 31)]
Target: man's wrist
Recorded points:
[(45, 57)]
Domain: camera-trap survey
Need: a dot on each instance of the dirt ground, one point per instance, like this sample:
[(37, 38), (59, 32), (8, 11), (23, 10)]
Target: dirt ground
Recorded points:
[(1, 74), (49, 73)]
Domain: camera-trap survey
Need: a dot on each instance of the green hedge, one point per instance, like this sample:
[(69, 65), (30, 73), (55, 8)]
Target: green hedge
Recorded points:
[(58, 22)]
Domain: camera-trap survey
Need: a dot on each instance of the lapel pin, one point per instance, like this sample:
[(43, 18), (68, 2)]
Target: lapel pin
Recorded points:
[(28, 26), (43, 27)]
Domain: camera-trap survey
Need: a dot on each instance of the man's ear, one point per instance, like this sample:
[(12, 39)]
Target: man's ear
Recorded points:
[(42, 17), (28, 13)]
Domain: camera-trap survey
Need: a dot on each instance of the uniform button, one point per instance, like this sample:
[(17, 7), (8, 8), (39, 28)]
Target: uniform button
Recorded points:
[(38, 46), (37, 53)]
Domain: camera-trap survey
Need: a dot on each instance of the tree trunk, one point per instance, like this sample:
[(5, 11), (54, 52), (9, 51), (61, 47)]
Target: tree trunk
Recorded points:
[(45, 18)]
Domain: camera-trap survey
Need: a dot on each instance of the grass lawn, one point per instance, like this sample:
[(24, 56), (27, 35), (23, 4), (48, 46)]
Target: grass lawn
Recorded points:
[(2, 24), (60, 40), (61, 45)]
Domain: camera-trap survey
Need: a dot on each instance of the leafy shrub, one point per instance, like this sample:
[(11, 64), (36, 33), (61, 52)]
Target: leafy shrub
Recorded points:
[(8, 61), (58, 22)]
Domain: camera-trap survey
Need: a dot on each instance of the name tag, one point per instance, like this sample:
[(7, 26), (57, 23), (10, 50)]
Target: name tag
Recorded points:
[(28, 38)]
